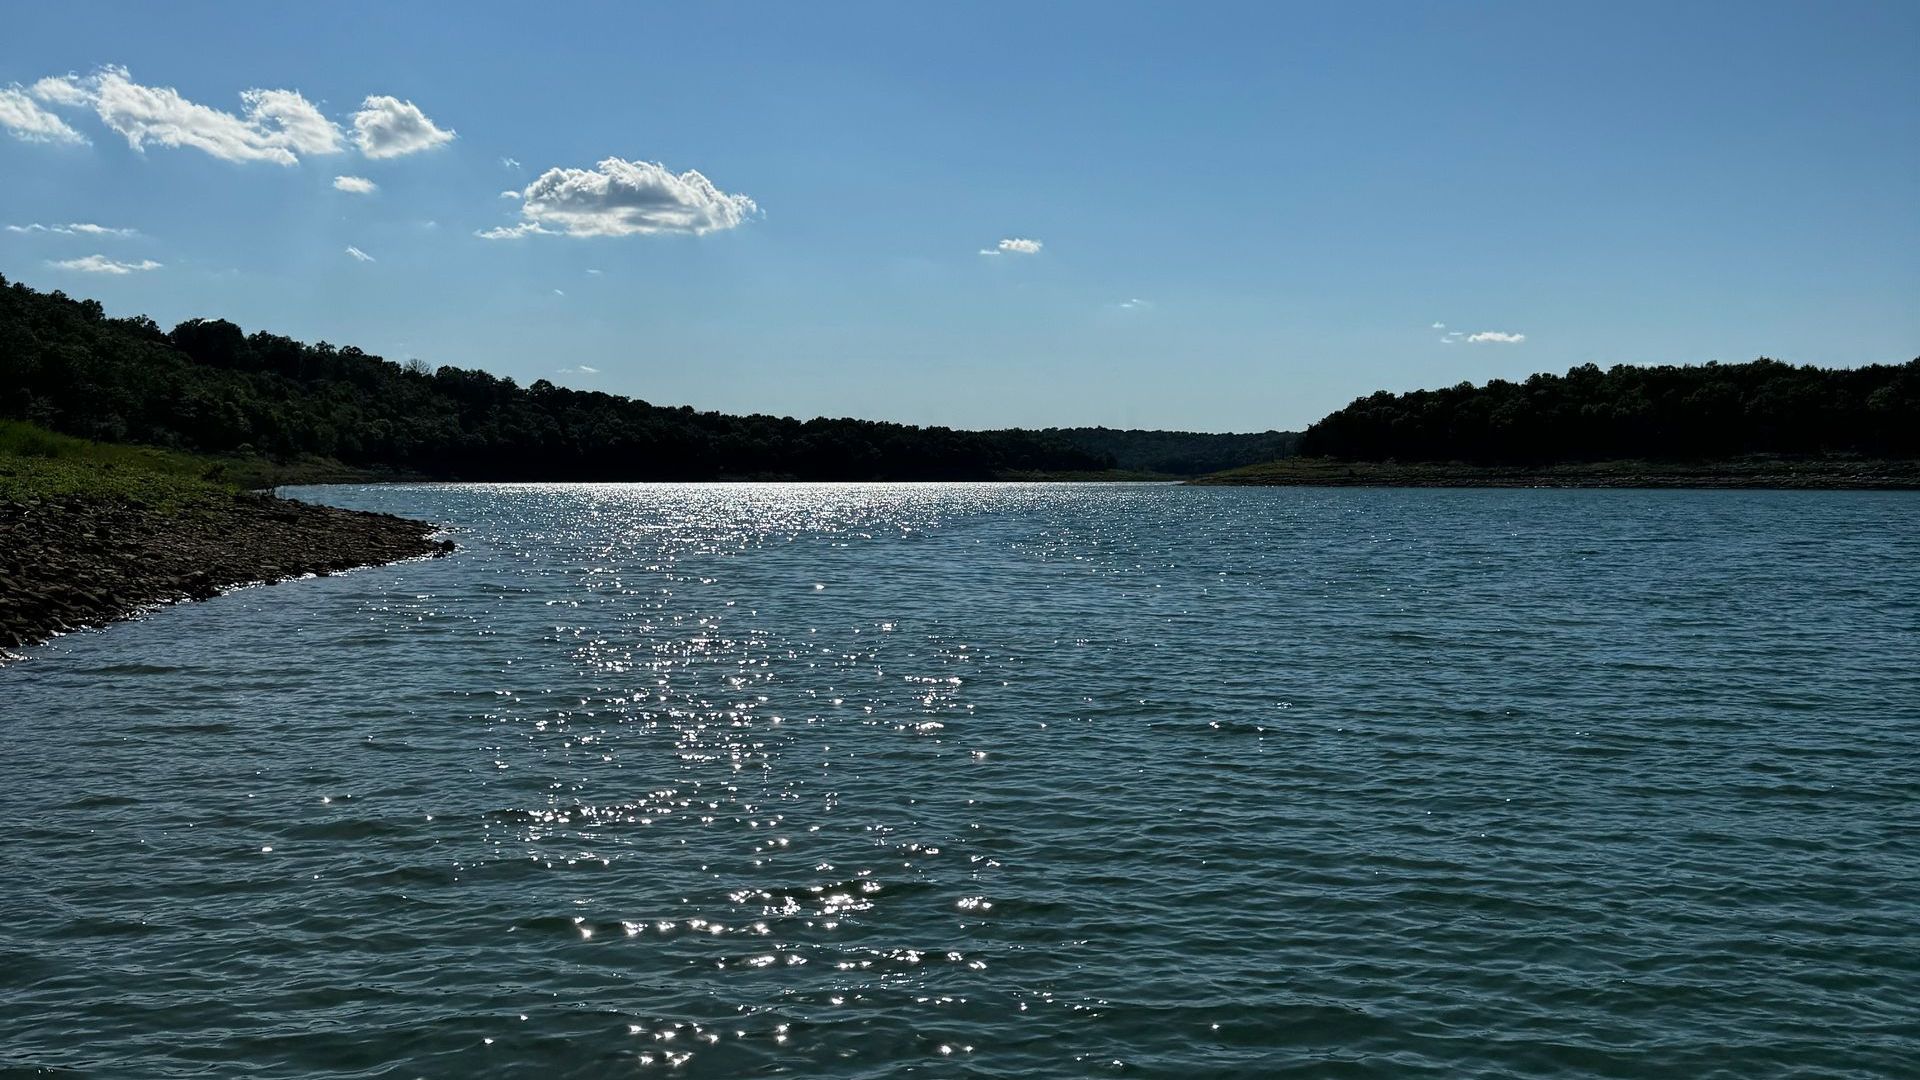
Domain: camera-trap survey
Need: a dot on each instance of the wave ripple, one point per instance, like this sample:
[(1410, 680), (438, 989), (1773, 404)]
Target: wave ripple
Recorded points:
[(971, 780)]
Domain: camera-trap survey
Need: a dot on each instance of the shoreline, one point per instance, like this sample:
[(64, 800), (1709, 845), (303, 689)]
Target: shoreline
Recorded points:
[(1784, 474), (74, 561)]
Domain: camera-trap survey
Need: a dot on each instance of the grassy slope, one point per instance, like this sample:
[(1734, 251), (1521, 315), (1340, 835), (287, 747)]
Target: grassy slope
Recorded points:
[(1749, 472), (35, 462)]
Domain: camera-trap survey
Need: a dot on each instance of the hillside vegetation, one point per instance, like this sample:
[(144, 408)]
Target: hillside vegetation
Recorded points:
[(37, 464), (1756, 471), (1692, 413), (209, 387), (33, 459), (1178, 453)]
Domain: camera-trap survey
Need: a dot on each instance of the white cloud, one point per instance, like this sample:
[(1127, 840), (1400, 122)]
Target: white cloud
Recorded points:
[(509, 194), (557, 292), (625, 198), (278, 125), (27, 121), (61, 90), (1495, 337), (357, 185), (510, 163), (388, 127), (100, 264), (78, 228), (1135, 304), (595, 273), (510, 232), (1439, 326), (298, 122), (1014, 245), (578, 369), (358, 254)]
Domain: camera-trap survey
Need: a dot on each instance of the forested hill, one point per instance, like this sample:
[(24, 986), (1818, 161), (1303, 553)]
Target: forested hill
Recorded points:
[(1180, 453), (207, 386), (1688, 413)]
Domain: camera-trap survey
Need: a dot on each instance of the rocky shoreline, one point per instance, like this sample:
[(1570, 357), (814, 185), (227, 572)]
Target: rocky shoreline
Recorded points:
[(71, 561)]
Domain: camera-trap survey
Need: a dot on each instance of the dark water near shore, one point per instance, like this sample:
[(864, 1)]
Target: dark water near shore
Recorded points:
[(1041, 781)]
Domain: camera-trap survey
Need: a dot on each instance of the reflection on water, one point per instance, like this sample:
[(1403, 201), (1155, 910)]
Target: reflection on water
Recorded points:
[(856, 780)]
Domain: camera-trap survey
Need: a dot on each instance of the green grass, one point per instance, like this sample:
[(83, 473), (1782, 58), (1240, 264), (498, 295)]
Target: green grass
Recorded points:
[(38, 464), (26, 479), (33, 459), (24, 440)]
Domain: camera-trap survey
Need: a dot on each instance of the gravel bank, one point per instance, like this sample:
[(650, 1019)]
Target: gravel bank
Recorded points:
[(73, 561)]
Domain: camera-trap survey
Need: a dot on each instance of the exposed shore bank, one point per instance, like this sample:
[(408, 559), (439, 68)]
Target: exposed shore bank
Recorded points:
[(70, 560), (1838, 473)]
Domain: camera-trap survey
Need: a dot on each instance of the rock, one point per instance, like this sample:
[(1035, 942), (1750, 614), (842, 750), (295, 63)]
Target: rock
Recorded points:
[(86, 561)]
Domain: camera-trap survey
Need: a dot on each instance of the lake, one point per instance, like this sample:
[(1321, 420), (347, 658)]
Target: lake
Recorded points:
[(993, 780)]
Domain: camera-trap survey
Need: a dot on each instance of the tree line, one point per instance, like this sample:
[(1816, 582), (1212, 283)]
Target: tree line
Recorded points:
[(1179, 453), (209, 387), (1694, 412)]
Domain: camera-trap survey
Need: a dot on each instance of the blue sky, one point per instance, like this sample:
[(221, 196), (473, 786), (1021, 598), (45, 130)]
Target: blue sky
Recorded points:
[(1245, 215)]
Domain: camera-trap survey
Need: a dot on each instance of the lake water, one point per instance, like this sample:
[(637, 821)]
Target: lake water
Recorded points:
[(957, 780)]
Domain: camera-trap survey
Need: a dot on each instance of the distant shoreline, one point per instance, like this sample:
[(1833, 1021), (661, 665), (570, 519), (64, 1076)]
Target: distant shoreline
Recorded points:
[(1820, 474)]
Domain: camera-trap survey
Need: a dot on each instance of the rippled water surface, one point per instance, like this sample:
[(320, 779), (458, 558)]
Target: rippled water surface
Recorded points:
[(1041, 781)]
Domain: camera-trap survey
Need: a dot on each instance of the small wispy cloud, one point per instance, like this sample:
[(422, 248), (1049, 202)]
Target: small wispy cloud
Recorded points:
[(1014, 245), (358, 254), (511, 232), (24, 119), (100, 264), (557, 292), (578, 369), (595, 273), (1483, 337), (510, 163), (509, 194), (77, 228), (60, 90), (357, 185), (388, 127), (1135, 304)]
